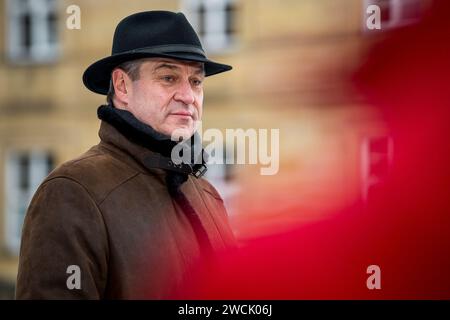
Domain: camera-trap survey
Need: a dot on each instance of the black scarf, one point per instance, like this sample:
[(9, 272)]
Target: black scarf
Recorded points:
[(144, 135)]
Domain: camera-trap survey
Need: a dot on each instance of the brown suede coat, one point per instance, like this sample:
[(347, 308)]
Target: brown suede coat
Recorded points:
[(109, 214)]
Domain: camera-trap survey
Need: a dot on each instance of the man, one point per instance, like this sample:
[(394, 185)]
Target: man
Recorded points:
[(123, 220)]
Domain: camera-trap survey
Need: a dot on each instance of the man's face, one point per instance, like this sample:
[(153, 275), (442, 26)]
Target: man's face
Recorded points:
[(168, 95)]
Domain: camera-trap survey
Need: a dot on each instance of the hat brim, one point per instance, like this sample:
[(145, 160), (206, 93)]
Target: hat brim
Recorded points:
[(97, 76)]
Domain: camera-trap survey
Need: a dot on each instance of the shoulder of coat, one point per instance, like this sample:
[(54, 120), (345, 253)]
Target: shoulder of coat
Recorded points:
[(98, 172)]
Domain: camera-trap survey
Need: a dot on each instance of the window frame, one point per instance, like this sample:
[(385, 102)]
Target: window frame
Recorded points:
[(41, 49), (17, 200), (367, 160), (214, 31)]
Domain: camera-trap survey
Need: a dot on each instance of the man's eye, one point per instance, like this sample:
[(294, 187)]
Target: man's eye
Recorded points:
[(197, 82), (168, 78)]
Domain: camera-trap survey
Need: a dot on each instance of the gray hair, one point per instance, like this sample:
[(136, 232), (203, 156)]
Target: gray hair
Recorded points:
[(131, 68)]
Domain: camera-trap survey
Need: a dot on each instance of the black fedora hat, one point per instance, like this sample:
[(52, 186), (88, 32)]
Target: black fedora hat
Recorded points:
[(150, 34)]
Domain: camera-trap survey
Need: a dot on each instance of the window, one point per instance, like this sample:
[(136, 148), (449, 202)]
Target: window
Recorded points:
[(32, 31), (24, 172), (395, 13), (214, 21), (222, 177), (376, 161)]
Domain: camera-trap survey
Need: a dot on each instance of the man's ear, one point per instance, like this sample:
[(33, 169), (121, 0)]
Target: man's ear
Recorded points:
[(121, 82)]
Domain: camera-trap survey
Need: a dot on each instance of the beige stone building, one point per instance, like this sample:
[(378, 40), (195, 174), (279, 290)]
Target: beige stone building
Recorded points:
[(292, 60)]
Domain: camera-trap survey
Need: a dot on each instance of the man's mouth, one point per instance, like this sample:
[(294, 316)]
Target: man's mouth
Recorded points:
[(184, 114)]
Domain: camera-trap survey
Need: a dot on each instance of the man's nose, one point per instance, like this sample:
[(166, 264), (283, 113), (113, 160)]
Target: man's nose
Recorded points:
[(185, 93)]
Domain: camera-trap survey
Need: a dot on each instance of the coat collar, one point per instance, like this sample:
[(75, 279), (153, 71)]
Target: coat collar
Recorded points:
[(120, 130)]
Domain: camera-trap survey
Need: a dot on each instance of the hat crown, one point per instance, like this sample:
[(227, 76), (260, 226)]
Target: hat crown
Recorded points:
[(154, 28)]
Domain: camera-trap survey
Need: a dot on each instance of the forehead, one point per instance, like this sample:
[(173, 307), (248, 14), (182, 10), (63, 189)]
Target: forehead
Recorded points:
[(158, 63)]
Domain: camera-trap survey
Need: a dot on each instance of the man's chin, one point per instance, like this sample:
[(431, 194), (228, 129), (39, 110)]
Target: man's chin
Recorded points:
[(181, 133)]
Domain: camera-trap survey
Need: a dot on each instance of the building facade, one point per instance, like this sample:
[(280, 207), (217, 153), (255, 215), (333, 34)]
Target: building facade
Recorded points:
[(292, 63)]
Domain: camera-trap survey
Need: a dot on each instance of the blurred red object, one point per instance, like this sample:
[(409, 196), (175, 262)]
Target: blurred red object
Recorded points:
[(404, 229)]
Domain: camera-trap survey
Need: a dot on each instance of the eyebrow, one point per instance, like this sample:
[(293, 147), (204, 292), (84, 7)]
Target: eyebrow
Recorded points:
[(199, 69)]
